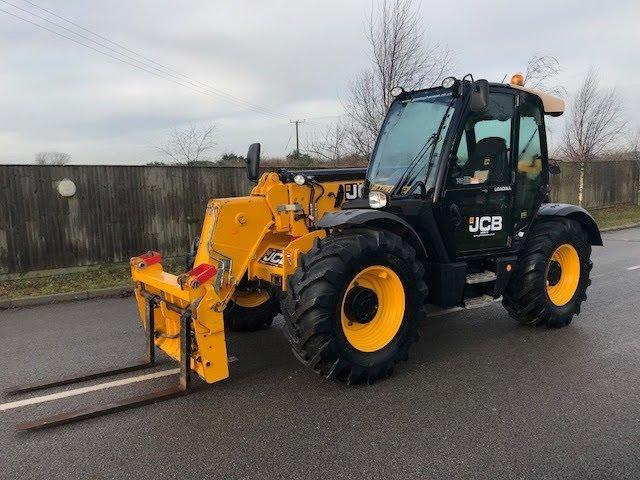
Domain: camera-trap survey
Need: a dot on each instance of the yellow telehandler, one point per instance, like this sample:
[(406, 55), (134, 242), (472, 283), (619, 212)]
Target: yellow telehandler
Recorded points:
[(453, 210)]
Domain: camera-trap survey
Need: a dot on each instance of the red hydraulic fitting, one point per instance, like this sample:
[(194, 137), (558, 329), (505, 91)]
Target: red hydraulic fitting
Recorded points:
[(146, 259), (201, 274)]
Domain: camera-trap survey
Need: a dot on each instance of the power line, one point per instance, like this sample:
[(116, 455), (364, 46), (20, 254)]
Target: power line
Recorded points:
[(91, 32), (169, 72), (201, 87), (92, 48)]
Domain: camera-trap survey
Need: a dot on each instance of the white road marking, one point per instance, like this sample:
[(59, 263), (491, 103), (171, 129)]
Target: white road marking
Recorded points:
[(636, 267), (92, 388)]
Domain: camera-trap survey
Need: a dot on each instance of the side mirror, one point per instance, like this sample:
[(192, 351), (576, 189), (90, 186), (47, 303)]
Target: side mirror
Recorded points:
[(479, 95), (253, 162), (554, 168)]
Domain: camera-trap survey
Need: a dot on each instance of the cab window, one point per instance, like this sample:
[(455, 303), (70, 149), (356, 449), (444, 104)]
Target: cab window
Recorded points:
[(482, 157), (529, 179)]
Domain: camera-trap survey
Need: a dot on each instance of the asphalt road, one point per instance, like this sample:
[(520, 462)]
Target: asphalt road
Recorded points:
[(479, 398)]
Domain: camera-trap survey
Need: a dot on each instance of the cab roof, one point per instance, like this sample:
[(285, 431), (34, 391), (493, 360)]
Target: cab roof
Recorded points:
[(552, 105)]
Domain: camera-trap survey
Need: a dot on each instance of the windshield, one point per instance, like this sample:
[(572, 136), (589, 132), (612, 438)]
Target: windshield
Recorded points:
[(411, 137)]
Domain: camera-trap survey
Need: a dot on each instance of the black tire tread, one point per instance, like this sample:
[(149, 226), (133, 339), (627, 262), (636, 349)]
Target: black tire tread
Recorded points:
[(310, 303), (245, 319), (524, 298)]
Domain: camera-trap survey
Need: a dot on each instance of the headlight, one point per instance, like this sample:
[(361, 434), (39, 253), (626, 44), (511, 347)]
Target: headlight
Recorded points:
[(397, 91), (448, 82), (377, 199), (299, 179)]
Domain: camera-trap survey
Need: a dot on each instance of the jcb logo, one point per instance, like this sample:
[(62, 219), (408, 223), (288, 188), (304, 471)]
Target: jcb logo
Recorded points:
[(273, 257), (485, 226), (353, 190)]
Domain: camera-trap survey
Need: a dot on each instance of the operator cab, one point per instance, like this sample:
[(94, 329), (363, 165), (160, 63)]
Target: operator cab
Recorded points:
[(470, 157)]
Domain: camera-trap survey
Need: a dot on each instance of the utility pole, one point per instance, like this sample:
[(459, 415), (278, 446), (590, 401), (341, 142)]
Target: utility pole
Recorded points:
[(297, 123)]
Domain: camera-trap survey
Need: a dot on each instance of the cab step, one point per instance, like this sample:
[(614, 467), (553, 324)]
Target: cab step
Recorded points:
[(481, 277), (478, 302)]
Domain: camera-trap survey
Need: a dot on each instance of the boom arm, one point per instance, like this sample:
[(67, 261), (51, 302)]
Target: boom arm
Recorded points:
[(258, 237)]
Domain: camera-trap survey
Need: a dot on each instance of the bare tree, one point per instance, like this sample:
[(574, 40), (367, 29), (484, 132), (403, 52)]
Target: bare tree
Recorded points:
[(190, 146), (52, 158), (331, 144), (401, 56), (542, 72), (593, 124)]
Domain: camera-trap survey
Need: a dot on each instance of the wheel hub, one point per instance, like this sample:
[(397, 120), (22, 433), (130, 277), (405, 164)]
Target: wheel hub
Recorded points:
[(372, 309), (563, 274), (554, 274), (361, 305)]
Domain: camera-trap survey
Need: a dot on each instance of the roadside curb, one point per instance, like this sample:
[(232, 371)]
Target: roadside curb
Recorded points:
[(623, 227), (24, 302)]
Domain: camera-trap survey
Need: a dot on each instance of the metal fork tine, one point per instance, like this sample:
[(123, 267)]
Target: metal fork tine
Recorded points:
[(149, 362), (83, 378), (92, 412), (183, 387)]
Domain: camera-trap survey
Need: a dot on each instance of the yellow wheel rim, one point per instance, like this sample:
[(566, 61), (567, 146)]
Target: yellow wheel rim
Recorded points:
[(563, 275), (250, 299), (386, 315)]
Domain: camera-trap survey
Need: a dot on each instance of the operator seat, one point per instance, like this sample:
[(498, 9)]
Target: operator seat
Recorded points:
[(490, 154)]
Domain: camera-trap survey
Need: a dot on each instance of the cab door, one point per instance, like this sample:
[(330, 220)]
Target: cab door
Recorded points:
[(531, 167), (478, 194)]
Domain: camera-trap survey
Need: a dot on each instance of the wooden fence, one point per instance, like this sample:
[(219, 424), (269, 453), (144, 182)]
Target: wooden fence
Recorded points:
[(605, 183), (119, 211)]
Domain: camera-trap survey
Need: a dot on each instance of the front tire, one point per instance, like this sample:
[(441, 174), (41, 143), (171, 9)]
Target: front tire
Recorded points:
[(354, 305), (551, 277)]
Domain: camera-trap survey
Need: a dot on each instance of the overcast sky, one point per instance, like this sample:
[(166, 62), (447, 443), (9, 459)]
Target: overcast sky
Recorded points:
[(293, 58)]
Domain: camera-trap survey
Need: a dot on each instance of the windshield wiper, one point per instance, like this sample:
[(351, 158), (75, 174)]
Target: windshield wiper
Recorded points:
[(431, 141), (401, 181)]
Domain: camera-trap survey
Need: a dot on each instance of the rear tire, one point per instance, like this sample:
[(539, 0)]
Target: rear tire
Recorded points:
[(333, 287), (551, 277), (251, 311)]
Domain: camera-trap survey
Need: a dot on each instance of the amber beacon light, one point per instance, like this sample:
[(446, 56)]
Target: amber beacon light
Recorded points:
[(517, 79)]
